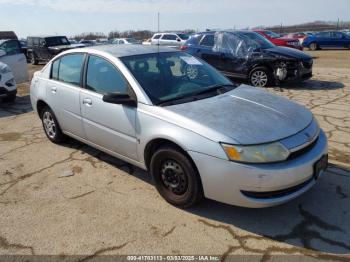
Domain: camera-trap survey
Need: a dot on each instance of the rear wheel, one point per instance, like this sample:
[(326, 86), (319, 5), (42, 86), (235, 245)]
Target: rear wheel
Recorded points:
[(175, 177), (33, 59), (260, 77), (51, 126), (313, 47)]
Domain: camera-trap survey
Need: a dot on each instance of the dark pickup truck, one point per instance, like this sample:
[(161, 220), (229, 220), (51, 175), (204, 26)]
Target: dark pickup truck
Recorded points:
[(42, 49)]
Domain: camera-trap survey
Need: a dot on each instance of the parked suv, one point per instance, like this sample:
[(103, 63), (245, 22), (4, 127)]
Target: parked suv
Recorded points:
[(42, 49), (169, 39), (247, 55)]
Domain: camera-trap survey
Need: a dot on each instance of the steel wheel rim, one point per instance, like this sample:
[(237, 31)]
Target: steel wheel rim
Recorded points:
[(173, 177), (49, 125), (259, 78)]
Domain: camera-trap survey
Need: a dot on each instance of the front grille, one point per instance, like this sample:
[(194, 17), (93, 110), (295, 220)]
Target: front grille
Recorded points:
[(302, 151), (276, 194)]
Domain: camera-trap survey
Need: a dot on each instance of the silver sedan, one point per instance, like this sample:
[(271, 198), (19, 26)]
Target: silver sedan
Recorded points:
[(197, 133)]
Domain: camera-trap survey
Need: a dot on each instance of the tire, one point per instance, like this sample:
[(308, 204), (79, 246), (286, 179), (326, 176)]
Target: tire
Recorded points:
[(33, 59), (10, 98), (51, 127), (313, 46), (175, 177), (260, 77)]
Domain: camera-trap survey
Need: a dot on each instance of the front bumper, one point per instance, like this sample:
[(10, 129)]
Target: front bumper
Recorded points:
[(4, 92), (226, 181)]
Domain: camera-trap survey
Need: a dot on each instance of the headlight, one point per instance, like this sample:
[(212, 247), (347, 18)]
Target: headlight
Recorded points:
[(266, 153), (4, 69)]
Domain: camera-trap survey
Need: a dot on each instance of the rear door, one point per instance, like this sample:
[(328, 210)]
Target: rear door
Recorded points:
[(169, 40), (63, 92), (324, 39), (16, 60), (110, 126), (205, 51)]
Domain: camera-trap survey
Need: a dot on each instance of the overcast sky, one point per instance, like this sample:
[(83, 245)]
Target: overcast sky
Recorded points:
[(70, 17)]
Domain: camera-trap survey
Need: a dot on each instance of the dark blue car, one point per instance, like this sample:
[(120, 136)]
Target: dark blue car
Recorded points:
[(327, 39), (248, 56)]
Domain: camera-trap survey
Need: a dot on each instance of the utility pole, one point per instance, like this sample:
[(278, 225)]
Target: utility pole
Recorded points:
[(158, 22), (338, 24)]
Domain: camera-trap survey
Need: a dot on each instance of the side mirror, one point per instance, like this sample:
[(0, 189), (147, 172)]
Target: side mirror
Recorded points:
[(119, 99), (2, 53), (179, 40), (43, 44)]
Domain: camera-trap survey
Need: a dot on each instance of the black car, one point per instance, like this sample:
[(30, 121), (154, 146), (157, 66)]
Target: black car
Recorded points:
[(248, 56), (42, 49)]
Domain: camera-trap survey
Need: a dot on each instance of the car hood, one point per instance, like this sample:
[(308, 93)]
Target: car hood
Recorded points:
[(247, 115), (287, 53)]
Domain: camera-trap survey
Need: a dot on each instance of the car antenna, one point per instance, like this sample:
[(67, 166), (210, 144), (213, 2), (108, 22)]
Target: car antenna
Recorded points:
[(158, 29)]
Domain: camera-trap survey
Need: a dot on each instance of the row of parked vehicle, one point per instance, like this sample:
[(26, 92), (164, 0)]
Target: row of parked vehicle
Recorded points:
[(262, 58)]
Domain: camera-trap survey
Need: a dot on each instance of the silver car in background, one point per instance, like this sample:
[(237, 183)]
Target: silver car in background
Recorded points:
[(169, 39), (198, 134)]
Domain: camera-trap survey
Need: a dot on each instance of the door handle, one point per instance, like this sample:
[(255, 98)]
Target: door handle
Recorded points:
[(87, 101), (54, 89)]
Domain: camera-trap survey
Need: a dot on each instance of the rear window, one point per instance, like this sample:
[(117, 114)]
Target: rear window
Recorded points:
[(70, 69), (208, 40)]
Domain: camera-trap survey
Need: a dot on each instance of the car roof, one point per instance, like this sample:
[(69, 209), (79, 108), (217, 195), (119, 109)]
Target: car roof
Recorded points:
[(46, 36), (131, 50)]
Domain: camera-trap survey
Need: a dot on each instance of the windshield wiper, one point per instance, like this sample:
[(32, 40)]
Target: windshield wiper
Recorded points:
[(218, 89)]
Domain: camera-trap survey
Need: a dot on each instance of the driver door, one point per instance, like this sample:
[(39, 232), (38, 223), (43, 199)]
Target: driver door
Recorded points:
[(111, 126)]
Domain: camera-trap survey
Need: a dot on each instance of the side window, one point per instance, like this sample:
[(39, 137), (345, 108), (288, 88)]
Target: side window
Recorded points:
[(55, 68), (30, 41), (36, 41), (337, 35), (156, 37), (208, 40), (70, 69), (11, 47), (102, 77), (169, 37)]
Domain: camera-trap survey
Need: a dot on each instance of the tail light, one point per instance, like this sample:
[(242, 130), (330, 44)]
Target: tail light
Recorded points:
[(184, 47)]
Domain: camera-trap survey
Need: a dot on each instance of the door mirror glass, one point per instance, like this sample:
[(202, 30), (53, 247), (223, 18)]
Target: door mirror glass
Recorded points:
[(2, 53), (119, 99)]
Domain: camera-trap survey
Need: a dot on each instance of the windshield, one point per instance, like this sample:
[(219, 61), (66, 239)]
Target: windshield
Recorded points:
[(183, 36), (272, 34), (174, 75), (54, 41), (258, 40)]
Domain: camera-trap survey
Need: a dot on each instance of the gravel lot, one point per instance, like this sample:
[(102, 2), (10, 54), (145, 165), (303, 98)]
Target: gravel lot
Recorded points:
[(111, 207)]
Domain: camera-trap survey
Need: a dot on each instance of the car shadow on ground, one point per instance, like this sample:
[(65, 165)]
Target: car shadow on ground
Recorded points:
[(312, 85), (316, 221), (21, 105)]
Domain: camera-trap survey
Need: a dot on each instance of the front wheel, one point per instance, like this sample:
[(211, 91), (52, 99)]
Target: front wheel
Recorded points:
[(260, 77), (175, 177), (313, 46), (51, 126)]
